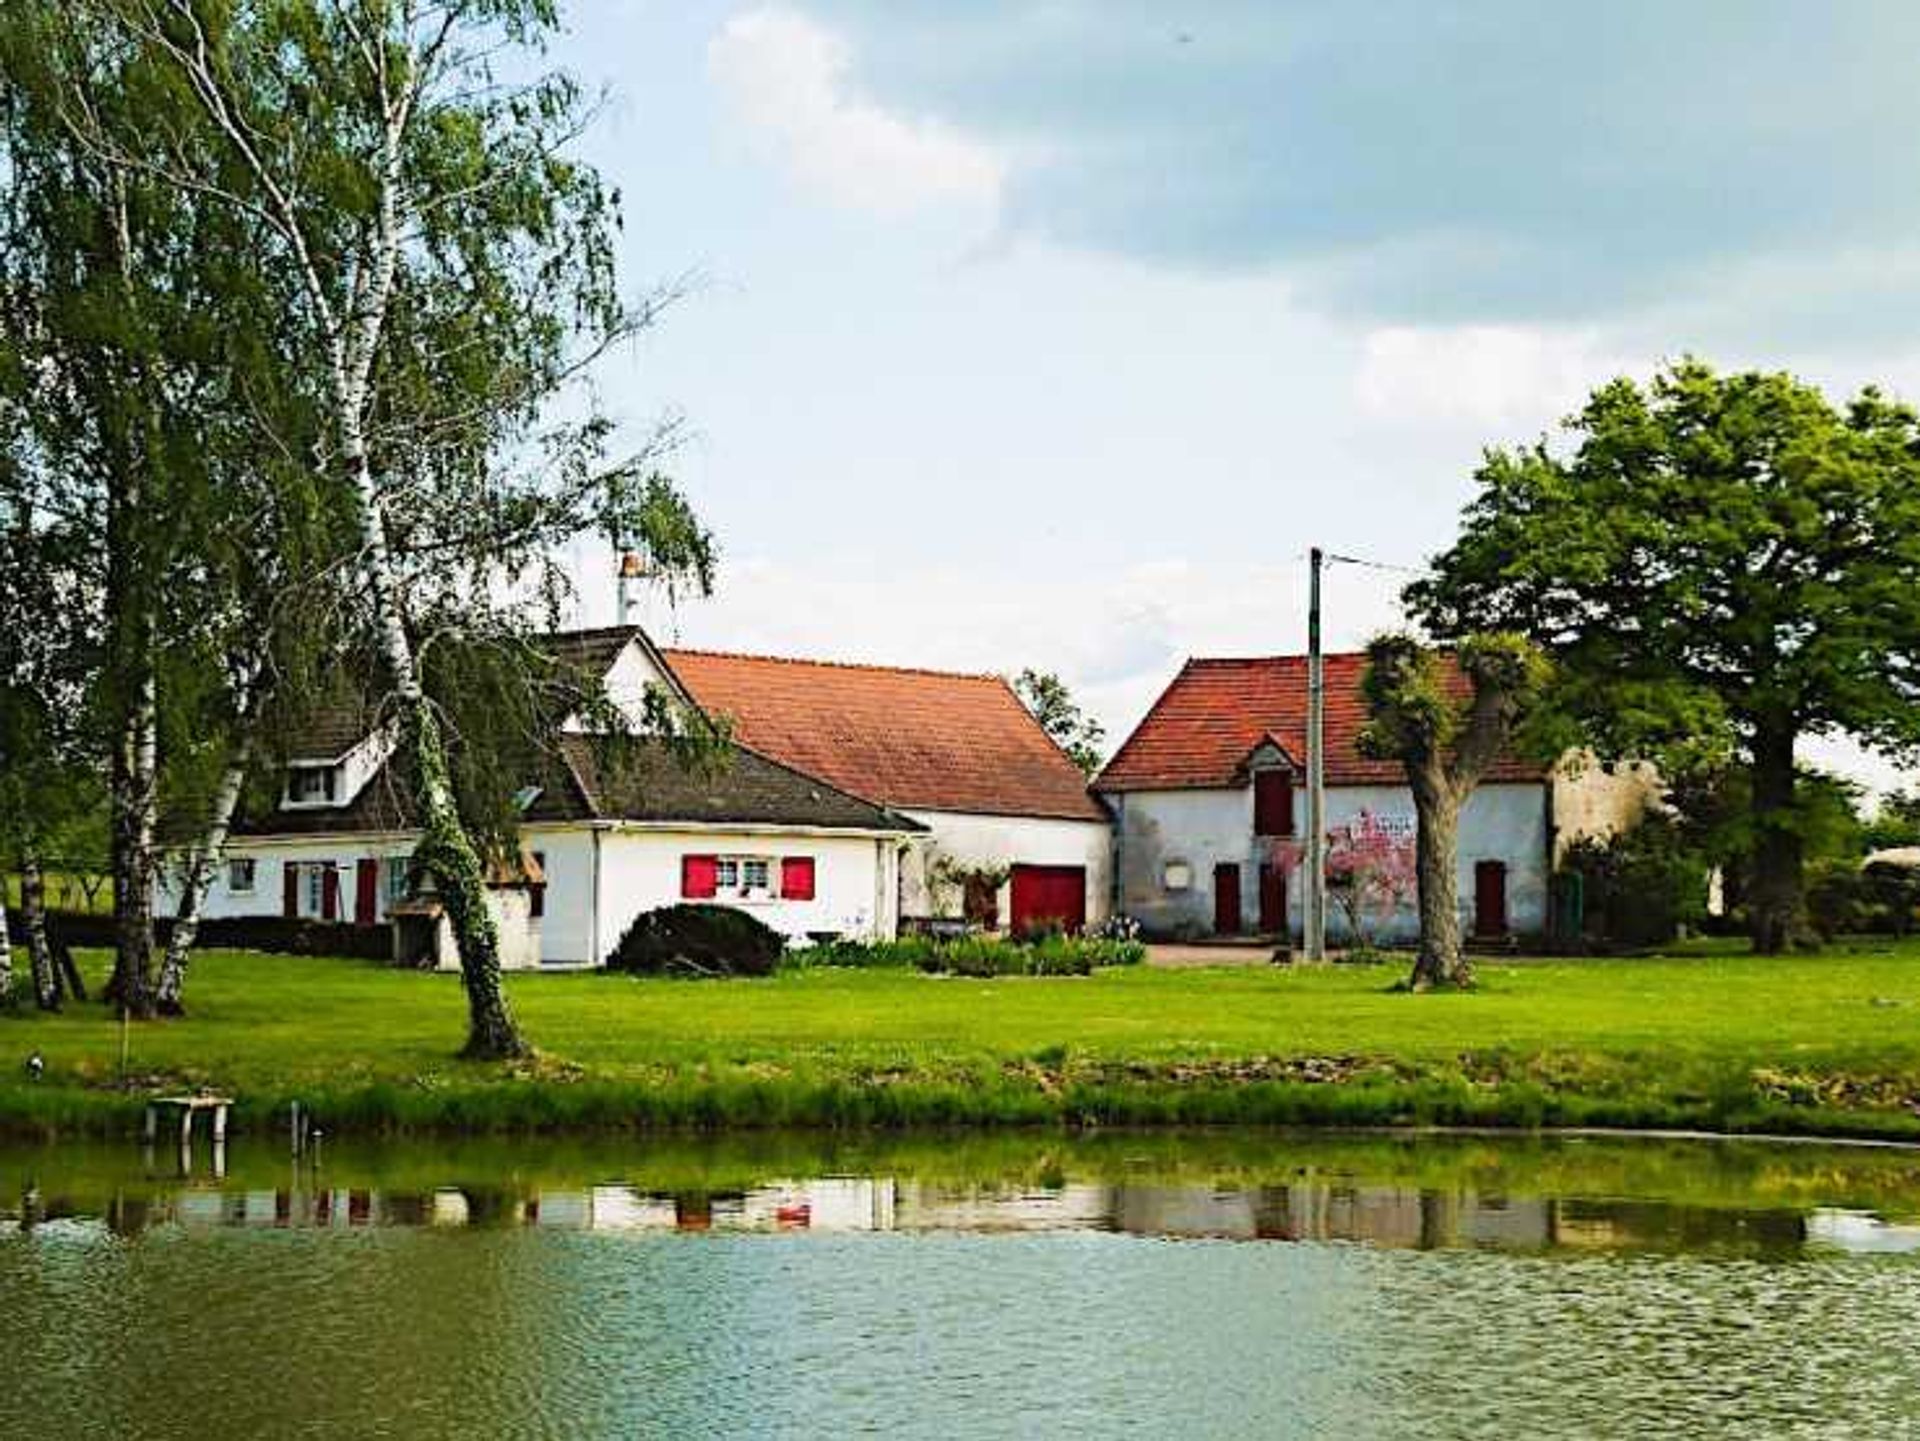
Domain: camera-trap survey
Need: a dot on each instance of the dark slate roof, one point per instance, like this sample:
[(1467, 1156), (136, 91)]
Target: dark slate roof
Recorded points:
[(625, 779), (332, 727)]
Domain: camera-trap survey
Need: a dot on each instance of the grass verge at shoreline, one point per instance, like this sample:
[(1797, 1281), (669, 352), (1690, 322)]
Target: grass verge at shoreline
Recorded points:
[(1825, 1045)]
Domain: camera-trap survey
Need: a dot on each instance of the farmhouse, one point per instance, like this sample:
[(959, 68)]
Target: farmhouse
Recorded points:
[(1209, 804), (1012, 838), (852, 796)]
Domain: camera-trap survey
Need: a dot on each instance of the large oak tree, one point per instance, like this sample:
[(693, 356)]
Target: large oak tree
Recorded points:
[(1723, 565)]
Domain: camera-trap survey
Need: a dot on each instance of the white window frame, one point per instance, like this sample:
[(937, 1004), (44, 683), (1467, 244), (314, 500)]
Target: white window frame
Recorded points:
[(329, 775), (313, 888), (730, 878), (393, 882), (253, 875)]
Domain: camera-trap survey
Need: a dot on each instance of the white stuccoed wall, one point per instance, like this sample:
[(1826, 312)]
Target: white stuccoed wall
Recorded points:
[(974, 839), (855, 880), (1502, 821)]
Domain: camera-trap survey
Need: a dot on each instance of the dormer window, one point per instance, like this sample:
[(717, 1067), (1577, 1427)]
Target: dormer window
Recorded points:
[(312, 785)]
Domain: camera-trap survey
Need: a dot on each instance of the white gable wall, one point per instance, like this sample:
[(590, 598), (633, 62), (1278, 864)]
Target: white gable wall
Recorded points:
[(973, 839)]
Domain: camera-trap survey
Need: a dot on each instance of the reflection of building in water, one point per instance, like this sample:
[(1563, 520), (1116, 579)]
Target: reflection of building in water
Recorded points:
[(1861, 1231), (1076, 1206), (1307, 1208)]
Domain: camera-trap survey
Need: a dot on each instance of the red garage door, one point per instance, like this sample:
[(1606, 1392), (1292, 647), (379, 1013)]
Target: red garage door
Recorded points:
[(1049, 894)]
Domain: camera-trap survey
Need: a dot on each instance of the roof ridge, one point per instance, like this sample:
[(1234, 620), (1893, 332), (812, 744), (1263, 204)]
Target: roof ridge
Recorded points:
[(860, 665), (589, 630)]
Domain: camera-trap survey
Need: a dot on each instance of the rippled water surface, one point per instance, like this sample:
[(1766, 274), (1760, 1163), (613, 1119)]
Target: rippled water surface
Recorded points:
[(1227, 1285)]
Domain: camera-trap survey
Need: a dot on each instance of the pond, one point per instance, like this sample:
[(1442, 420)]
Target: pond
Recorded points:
[(1225, 1284)]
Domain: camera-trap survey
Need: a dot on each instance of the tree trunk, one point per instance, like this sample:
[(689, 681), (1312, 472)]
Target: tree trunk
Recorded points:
[(200, 873), (135, 763), (445, 852), (6, 953), (1441, 961), (33, 911), (1774, 904)]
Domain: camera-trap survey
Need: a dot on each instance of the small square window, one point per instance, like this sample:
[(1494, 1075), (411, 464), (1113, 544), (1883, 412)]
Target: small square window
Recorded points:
[(240, 877), (310, 785), (726, 873), (753, 875)]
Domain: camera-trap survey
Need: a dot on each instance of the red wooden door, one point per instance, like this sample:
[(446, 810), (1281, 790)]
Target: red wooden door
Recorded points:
[(1043, 895), (1490, 898), (366, 891), (1273, 900), (1226, 899)]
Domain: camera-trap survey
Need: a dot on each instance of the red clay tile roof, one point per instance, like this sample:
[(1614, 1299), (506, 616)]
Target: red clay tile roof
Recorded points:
[(927, 739), (1215, 712)]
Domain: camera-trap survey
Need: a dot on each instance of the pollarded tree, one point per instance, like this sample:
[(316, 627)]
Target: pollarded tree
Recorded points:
[(1447, 740), (1720, 565)]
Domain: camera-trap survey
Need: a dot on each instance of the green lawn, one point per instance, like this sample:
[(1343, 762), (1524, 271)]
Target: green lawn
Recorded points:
[(1820, 1043)]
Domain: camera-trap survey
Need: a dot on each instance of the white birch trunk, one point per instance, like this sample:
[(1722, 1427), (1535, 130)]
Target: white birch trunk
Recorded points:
[(201, 869)]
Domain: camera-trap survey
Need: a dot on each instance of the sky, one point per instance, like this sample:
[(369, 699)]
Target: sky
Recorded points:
[(1054, 334)]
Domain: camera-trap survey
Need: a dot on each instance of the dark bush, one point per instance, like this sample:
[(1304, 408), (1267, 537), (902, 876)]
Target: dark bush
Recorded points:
[(1641, 885), (698, 941), (280, 935)]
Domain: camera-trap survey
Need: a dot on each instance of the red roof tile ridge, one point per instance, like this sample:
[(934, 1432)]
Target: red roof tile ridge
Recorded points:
[(860, 665)]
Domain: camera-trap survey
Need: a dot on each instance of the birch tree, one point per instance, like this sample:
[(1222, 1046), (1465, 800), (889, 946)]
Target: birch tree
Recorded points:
[(423, 222)]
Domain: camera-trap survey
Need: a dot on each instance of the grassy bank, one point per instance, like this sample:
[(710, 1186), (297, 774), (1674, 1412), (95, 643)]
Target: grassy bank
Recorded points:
[(1826, 1044)]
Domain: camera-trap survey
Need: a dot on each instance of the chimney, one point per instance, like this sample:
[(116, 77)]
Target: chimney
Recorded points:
[(633, 574)]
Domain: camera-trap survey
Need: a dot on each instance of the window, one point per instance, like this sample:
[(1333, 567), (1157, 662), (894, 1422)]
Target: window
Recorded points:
[(1272, 803), (740, 878), (537, 892), (310, 785), (396, 881), (240, 877), (315, 876)]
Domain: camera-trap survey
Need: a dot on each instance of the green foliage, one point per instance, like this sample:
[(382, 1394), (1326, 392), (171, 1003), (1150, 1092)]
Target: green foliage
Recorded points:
[(1846, 898), (1720, 564), (1895, 822), (698, 941), (1641, 884), (1060, 716), (1051, 954)]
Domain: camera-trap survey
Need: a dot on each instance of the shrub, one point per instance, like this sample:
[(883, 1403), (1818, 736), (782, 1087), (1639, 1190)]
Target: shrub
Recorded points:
[(1050, 954), (1642, 885), (698, 941)]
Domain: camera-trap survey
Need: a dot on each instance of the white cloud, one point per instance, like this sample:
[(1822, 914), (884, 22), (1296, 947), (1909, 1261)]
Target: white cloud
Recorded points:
[(1480, 376), (785, 78)]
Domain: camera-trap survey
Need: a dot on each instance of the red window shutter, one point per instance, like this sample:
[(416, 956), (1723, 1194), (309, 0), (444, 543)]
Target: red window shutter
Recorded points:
[(290, 889), (1272, 803), (796, 878), (366, 891), (699, 876), (329, 892)]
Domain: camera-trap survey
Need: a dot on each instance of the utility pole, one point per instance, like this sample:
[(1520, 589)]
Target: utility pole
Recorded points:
[(1316, 866)]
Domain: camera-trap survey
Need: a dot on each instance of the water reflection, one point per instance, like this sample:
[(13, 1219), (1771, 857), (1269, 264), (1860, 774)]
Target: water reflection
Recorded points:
[(1331, 1199)]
